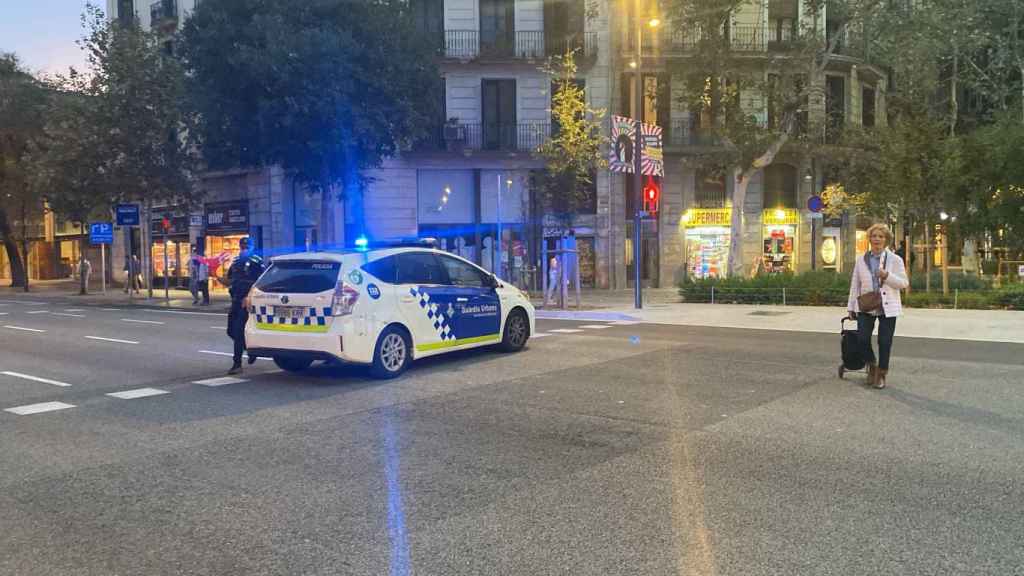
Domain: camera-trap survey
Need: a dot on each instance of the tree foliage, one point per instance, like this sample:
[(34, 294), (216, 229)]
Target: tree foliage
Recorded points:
[(23, 100), (573, 153), (324, 88)]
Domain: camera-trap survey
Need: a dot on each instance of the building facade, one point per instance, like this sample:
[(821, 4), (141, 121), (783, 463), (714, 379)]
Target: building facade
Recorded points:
[(496, 104)]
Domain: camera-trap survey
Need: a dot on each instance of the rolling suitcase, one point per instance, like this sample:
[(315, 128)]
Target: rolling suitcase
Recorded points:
[(853, 360)]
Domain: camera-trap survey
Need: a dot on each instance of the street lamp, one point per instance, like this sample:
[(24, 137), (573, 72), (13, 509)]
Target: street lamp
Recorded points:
[(638, 151)]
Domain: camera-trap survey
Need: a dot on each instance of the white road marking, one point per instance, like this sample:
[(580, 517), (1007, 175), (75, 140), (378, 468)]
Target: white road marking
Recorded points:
[(625, 323), (38, 408), (36, 379), (595, 326), (119, 341), (185, 312), (25, 329), (3, 313), (38, 312), (539, 335), (75, 310), (142, 321), (138, 393), (228, 354), (69, 315), (29, 302), (111, 309), (218, 327), (565, 331), (222, 381)]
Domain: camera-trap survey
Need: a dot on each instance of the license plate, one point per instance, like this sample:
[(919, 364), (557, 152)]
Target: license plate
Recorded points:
[(289, 311)]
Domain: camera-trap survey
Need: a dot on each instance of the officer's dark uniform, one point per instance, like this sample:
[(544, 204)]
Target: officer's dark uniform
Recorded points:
[(242, 274)]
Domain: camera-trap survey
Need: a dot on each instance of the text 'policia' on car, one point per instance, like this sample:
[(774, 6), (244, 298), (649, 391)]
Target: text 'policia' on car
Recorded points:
[(384, 305)]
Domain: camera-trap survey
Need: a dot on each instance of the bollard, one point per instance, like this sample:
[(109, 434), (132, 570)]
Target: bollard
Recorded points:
[(712, 294), (783, 296), (956, 297)]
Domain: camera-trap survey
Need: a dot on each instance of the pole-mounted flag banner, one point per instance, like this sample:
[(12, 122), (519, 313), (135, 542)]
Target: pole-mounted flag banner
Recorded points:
[(620, 155)]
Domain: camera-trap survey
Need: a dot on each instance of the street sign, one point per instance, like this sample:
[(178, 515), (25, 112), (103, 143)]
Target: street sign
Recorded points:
[(815, 204), (127, 214), (101, 233)]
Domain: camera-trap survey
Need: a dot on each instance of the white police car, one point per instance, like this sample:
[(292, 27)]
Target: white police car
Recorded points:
[(383, 306)]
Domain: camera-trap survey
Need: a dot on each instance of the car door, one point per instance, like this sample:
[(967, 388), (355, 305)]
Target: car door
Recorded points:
[(477, 311), (425, 300)]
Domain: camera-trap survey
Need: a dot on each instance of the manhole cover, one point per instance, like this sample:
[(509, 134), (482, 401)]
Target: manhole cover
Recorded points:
[(768, 313)]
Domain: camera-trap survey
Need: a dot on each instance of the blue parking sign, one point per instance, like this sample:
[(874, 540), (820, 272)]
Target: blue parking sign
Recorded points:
[(127, 214), (101, 233)]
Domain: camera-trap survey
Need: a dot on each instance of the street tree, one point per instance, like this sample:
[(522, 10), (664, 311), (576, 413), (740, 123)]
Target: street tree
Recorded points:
[(572, 155), (22, 102), (326, 89), (752, 108)]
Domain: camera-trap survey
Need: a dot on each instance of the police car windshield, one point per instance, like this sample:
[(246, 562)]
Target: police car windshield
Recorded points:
[(299, 277)]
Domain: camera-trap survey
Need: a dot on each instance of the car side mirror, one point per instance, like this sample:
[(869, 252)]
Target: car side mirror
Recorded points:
[(491, 281)]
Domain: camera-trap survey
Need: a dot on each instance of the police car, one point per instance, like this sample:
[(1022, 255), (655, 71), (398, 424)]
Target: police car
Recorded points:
[(383, 305)]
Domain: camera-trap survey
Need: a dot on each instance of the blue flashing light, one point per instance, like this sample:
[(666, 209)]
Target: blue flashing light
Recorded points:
[(362, 243)]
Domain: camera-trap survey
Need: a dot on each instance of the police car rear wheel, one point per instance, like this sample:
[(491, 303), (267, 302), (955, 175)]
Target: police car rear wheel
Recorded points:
[(392, 354), (517, 331), (292, 364)]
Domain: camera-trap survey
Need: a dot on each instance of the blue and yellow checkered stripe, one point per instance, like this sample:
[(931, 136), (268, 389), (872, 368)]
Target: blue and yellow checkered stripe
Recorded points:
[(313, 320)]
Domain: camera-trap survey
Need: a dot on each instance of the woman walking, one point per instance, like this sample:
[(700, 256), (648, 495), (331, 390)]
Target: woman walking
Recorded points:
[(875, 288)]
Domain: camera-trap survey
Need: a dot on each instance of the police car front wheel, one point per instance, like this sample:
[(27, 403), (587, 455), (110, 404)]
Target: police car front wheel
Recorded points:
[(392, 354), (517, 331)]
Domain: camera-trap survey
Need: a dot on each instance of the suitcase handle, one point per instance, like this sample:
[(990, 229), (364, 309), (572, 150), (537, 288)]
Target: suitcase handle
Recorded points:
[(842, 323)]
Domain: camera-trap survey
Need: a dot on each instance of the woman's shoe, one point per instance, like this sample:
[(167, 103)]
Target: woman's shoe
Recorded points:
[(872, 374), (880, 378)]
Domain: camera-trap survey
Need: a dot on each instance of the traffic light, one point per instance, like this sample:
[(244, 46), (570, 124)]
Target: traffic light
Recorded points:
[(652, 195)]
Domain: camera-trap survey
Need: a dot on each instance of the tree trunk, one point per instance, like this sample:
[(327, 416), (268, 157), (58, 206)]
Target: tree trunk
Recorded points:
[(24, 242), (927, 257), (83, 286), (953, 104), (739, 197), (13, 256)]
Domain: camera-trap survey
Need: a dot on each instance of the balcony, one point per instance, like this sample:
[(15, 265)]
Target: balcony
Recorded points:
[(522, 137), (684, 41), (163, 15), (686, 132), (523, 45)]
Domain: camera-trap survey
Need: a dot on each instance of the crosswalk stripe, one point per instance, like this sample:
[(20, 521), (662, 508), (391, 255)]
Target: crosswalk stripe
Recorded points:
[(595, 326), (138, 393), (38, 408), (565, 331), (35, 378), (221, 381)]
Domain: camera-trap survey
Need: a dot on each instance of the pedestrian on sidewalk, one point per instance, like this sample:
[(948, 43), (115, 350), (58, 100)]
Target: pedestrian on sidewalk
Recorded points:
[(193, 276), (553, 277), (203, 279), (84, 271), (133, 274), (875, 288), (242, 274)]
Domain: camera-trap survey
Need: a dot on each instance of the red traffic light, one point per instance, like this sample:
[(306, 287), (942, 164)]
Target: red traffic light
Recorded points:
[(652, 193)]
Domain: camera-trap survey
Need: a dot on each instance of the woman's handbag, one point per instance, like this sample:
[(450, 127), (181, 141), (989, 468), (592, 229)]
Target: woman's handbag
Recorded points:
[(871, 301)]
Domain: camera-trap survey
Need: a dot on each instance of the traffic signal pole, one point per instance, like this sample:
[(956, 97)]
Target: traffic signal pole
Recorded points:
[(638, 297)]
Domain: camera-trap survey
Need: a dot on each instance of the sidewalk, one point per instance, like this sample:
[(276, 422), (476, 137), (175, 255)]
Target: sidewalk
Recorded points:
[(662, 306), (115, 295)]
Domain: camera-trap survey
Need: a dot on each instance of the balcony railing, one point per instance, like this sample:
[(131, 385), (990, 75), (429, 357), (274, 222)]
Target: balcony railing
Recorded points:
[(687, 132), (522, 137), (523, 45), (680, 41), (163, 13)]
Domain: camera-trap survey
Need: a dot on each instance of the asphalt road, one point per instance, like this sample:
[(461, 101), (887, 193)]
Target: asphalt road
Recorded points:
[(610, 449)]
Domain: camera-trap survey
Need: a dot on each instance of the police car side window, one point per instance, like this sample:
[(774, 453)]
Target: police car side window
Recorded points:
[(383, 269), (420, 268), (462, 274)]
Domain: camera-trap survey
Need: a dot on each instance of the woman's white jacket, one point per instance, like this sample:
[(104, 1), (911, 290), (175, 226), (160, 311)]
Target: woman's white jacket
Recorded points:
[(861, 283)]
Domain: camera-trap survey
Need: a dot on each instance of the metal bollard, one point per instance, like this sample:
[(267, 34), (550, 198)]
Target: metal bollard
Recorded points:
[(956, 298), (712, 294), (783, 296)]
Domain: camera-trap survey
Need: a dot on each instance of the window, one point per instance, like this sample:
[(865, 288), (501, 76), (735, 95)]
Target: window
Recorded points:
[(835, 107), (497, 26), (462, 274), (780, 186), (420, 268), (307, 277), (499, 114), (383, 269), (867, 103)]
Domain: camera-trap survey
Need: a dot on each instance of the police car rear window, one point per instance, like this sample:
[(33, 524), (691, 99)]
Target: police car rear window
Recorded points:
[(299, 277)]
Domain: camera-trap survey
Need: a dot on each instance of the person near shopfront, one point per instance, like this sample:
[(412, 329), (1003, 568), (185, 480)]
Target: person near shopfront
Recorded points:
[(133, 271), (199, 278), (193, 276), (242, 274), (875, 287)]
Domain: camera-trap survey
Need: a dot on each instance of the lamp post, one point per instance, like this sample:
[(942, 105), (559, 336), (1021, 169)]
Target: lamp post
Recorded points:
[(638, 298)]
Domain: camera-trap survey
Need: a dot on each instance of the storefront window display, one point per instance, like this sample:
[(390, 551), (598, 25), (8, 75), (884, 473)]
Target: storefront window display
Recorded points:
[(862, 241), (224, 249), (831, 253), (780, 240), (707, 242)]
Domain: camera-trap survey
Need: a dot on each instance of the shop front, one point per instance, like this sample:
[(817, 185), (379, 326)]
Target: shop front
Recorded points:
[(707, 236), (170, 232), (781, 226), (831, 245), (225, 225)]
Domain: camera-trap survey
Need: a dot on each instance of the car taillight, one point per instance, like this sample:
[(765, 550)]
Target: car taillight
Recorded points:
[(345, 298)]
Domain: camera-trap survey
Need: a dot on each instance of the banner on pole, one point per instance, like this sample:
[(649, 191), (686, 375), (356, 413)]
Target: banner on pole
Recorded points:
[(620, 155)]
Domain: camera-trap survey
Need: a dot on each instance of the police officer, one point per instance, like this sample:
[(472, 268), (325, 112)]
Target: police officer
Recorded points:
[(242, 274)]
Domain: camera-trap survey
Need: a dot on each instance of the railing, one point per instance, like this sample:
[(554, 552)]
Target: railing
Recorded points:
[(584, 44), (523, 137), (163, 12), (524, 45), (687, 132)]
